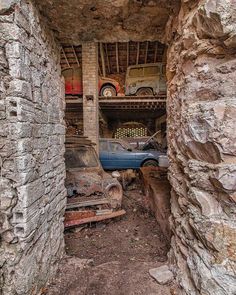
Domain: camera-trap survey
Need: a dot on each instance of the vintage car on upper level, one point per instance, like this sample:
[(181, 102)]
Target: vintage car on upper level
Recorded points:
[(74, 86), (118, 154), (145, 79)]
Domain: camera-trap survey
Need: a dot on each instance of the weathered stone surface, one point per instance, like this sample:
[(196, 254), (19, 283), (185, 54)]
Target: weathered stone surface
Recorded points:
[(201, 132), (106, 20), (6, 5), (162, 274), (201, 107), (32, 132)]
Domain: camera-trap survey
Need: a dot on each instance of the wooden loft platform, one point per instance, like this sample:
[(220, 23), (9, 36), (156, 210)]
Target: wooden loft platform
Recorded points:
[(123, 102)]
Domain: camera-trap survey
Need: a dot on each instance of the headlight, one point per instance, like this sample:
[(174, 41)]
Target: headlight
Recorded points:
[(114, 193), (133, 85)]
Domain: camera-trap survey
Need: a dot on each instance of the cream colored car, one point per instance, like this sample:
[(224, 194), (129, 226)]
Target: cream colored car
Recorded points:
[(145, 79)]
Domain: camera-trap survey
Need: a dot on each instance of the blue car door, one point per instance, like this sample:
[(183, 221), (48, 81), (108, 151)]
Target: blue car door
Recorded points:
[(140, 157), (120, 157), (104, 154)]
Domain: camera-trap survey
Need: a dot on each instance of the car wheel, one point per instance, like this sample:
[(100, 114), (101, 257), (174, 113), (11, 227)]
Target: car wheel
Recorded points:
[(144, 92), (108, 91), (150, 163)]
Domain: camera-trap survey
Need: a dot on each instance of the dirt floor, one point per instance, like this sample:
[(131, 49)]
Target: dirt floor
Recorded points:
[(114, 257)]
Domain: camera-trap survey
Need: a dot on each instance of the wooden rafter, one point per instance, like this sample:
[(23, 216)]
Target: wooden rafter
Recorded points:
[(137, 56), (155, 54), (68, 64), (127, 54), (103, 60), (146, 53), (99, 70), (117, 58), (76, 57), (108, 61)]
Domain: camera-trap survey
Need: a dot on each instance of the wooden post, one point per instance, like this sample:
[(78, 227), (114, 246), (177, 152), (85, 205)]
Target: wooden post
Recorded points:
[(108, 62), (137, 57), (127, 54), (65, 57), (102, 59), (155, 54), (76, 58), (117, 58), (146, 54)]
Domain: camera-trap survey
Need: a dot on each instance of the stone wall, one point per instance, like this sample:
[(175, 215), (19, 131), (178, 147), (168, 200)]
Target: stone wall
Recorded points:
[(201, 109), (31, 151)]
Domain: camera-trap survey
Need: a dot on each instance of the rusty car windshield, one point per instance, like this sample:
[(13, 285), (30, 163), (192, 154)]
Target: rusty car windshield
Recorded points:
[(82, 157), (151, 71), (136, 72)]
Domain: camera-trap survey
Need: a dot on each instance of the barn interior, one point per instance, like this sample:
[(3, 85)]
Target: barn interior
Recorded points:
[(143, 114), (130, 118), (174, 230)]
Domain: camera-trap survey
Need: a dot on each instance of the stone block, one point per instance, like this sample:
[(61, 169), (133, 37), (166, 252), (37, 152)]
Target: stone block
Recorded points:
[(224, 178), (14, 50), (30, 193), (18, 69), (162, 274), (206, 201), (20, 88), (7, 5), (25, 163)]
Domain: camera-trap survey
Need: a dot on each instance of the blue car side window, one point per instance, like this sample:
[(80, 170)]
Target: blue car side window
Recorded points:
[(116, 147), (103, 146)]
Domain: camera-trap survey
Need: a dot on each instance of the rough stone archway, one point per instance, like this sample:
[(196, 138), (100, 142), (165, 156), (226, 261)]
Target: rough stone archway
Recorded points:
[(32, 192), (201, 70), (201, 120)]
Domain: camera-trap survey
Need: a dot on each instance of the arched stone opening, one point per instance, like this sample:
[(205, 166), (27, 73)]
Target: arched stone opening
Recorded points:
[(201, 120)]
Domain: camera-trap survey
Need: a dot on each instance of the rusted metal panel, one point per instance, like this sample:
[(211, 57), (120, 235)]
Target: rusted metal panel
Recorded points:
[(71, 203), (75, 215), (76, 222)]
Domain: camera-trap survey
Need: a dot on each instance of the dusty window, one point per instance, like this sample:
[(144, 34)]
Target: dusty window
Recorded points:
[(116, 147), (151, 71), (103, 146), (136, 72), (81, 158)]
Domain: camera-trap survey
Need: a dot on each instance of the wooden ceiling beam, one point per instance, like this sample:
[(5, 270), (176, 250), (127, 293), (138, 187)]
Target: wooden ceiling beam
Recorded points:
[(146, 53), (65, 57), (155, 54), (137, 56), (127, 46), (102, 59), (117, 58), (107, 56)]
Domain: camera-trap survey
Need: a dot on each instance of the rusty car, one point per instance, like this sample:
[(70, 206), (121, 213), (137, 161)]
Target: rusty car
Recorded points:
[(86, 181), (73, 83), (145, 80)]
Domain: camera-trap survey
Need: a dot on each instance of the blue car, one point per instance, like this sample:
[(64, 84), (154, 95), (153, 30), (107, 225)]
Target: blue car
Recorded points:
[(117, 154)]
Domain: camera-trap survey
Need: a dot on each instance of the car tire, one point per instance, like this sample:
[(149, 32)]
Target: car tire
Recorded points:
[(150, 163), (108, 91), (144, 92)]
